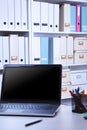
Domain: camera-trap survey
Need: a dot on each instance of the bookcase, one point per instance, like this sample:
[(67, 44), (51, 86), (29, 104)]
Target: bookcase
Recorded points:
[(73, 58), (27, 38)]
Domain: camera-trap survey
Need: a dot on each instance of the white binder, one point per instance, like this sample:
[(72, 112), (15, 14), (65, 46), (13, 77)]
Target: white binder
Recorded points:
[(56, 17), (1, 65), (17, 16), (44, 16), (50, 17), (24, 14), (14, 49), (26, 46), (69, 49), (64, 18), (36, 50), (1, 14), (36, 16), (4, 5), (11, 13), (5, 49), (63, 49), (21, 50), (56, 50)]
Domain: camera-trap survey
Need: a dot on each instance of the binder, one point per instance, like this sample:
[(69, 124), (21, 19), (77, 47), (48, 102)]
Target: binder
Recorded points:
[(14, 56), (21, 55), (26, 50), (69, 50), (4, 4), (83, 19), (36, 16), (1, 14), (50, 17), (1, 65), (11, 14), (78, 18), (64, 18), (44, 16), (44, 50), (72, 18), (63, 52), (5, 40), (56, 18), (36, 50), (56, 50), (17, 16), (24, 10)]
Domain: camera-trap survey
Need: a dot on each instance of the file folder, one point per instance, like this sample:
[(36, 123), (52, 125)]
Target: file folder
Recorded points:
[(26, 47), (56, 17), (11, 13), (24, 15), (50, 17), (44, 16), (1, 14), (36, 16), (72, 18), (4, 4), (56, 50), (78, 18), (21, 50), (44, 50), (5, 49), (17, 16), (14, 49), (36, 50), (83, 19)]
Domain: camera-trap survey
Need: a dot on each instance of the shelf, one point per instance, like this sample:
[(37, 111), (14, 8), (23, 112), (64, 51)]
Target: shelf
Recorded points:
[(53, 34), (82, 2), (19, 32)]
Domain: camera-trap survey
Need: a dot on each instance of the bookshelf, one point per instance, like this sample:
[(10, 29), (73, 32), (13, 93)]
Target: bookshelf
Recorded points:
[(69, 69)]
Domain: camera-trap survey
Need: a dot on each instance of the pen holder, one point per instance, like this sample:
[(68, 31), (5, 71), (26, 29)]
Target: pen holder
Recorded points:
[(79, 104)]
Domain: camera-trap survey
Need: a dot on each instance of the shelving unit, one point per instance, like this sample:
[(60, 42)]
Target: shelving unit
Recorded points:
[(68, 68)]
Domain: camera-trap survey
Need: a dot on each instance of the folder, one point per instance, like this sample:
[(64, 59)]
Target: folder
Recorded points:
[(4, 4), (5, 49), (17, 16), (64, 18), (13, 38), (24, 18), (78, 18), (63, 52), (11, 14), (56, 18), (83, 19), (44, 16), (69, 44), (36, 16), (36, 50), (50, 17), (72, 18), (1, 13), (26, 47), (56, 50), (1, 43), (44, 50), (21, 55)]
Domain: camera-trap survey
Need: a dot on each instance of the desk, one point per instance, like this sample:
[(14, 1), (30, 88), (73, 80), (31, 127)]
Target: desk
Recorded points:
[(64, 120)]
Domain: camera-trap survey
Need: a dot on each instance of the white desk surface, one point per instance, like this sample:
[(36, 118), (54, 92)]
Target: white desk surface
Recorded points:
[(64, 120)]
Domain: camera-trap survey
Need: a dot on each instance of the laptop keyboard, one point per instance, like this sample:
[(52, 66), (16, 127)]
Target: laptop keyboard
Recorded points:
[(25, 106)]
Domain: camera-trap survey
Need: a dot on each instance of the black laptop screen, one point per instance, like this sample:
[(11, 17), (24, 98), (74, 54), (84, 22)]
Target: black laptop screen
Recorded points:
[(31, 83)]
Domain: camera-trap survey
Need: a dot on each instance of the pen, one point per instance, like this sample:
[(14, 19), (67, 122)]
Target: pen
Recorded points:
[(32, 123)]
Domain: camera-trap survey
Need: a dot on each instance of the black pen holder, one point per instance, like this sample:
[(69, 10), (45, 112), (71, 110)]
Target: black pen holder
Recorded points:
[(79, 104)]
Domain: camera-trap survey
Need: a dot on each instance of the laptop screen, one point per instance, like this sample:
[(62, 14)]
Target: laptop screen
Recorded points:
[(31, 83)]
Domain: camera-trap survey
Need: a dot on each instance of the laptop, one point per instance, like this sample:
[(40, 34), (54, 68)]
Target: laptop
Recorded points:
[(31, 90)]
